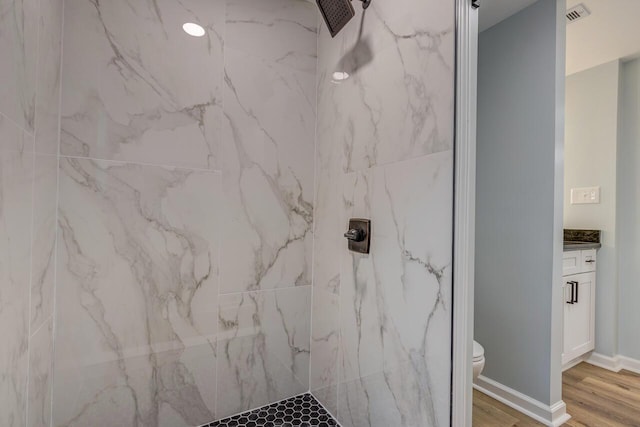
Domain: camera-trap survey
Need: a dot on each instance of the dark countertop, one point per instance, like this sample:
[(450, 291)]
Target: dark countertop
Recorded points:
[(576, 239), (577, 246)]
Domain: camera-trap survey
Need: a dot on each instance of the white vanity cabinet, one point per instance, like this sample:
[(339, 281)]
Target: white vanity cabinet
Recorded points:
[(579, 289)]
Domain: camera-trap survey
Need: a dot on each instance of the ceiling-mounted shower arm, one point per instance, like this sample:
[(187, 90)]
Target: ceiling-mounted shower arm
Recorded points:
[(365, 3)]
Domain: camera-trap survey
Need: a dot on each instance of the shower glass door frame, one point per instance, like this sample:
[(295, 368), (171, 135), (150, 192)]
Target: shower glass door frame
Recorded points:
[(464, 212)]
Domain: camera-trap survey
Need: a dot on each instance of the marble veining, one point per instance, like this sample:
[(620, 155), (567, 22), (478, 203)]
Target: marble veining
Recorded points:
[(281, 31), (268, 146), (14, 139), (19, 52), (47, 103), (267, 174), (325, 348), (187, 208), (152, 96), (395, 303), (30, 48), (381, 330), (137, 291), (186, 182), (263, 347), (16, 176), (329, 219), (397, 103), (44, 237), (40, 376)]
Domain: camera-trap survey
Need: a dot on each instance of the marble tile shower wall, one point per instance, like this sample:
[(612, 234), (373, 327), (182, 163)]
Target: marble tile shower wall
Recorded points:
[(185, 210), (30, 45), (381, 331), (181, 191)]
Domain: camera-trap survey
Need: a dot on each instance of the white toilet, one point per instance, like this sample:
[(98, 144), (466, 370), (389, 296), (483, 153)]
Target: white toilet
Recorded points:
[(478, 360)]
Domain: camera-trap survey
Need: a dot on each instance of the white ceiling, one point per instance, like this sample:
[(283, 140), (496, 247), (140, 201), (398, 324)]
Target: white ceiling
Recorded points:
[(612, 31), (492, 12)]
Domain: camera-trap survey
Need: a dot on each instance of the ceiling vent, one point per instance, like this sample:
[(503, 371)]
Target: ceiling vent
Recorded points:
[(577, 13)]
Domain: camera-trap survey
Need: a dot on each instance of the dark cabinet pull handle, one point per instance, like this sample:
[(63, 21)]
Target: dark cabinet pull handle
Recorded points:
[(575, 289), (572, 293)]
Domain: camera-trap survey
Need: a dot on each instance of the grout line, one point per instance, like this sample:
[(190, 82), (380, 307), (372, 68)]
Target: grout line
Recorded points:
[(38, 75), (30, 288), (14, 151), (341, 185), (339, 355), (128, 162), (54, 311), (287, 288), (219, 219), (223, 208), (33, 189), (16, 124), (315, 202)]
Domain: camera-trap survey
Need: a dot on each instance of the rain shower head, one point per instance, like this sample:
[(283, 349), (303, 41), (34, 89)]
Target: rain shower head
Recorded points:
[(337, 13)]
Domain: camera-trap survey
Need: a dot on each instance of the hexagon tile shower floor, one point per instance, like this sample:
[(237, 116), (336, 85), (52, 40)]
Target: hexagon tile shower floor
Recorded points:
[(298, 411)]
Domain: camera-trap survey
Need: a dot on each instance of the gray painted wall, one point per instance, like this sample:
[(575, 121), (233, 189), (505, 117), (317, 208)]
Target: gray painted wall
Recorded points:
[(519, 177), (629, 211), (603, 120), (590, 160)]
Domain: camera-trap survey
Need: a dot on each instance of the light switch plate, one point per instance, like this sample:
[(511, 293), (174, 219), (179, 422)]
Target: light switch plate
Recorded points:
[(585, 195)]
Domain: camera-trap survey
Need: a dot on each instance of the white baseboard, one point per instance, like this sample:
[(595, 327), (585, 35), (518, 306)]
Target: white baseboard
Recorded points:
[(629, 364), (606, 362), (575, 362), (552, 416), (615, 363)]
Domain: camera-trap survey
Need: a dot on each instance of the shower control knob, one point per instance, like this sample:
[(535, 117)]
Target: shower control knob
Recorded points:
[(355, 235), (359, 235)]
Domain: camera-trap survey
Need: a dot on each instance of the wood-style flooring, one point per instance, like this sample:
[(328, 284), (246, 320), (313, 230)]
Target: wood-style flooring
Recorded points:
[(488, 412), (595, 397)]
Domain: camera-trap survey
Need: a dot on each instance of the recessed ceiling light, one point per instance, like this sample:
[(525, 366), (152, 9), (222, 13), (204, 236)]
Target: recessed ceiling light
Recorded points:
[(340, 76), (194, 30)]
